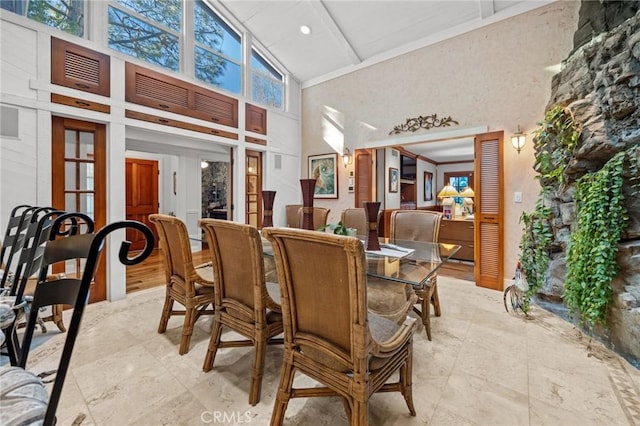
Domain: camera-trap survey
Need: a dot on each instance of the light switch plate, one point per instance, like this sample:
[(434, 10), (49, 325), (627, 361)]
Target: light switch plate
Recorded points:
[(517, 197)]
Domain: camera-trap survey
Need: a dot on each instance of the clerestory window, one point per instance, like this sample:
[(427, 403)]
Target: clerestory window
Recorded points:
[(147, 29), (217, 49), (267, 83), (67, 16)]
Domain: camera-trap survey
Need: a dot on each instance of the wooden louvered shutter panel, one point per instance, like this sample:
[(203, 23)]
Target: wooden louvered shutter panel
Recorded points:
[(211, 106), (364, 175), (80, 68), (489, 184), (156, 90), (255, 119)]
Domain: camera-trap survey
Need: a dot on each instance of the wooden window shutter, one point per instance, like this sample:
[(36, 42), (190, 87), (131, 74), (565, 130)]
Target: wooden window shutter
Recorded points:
[(489, 184), (80, 68), (255, 119), (215, 107), (154, 88)]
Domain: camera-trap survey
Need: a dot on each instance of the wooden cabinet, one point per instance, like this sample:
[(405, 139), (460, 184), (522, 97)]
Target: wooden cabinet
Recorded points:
[(80, 68), (458, 232), (255, 119), (157, 90)]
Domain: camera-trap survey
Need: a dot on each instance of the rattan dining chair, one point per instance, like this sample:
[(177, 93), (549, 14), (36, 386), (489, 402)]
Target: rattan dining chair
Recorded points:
[(355, 218), (391, 300), (294, 219), (320, 215), (420, 225), (187, 284), (329, 335), (242, 303)]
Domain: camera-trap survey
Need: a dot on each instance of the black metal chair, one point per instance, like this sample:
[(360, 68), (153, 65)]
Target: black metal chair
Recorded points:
[(13, 241), (20, 294), (16, 382)]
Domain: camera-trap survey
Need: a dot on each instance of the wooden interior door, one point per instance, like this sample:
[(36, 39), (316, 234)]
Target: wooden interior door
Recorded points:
[(142, 196), (489, 228), (363, 171), (253, 188), (78, 184)]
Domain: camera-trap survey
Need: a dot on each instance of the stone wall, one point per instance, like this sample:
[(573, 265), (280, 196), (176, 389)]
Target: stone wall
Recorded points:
[(600, 84)]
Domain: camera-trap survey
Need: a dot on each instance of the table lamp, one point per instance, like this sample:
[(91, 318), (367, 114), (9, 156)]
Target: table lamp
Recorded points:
[(447, 202), (467, 202)]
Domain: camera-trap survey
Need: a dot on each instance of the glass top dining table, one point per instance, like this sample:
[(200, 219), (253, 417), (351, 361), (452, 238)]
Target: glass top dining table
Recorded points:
[(408, 262)]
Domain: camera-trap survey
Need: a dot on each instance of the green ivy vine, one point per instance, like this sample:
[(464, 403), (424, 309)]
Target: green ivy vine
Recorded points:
[(554, 143), (593, 247), (534, 245)]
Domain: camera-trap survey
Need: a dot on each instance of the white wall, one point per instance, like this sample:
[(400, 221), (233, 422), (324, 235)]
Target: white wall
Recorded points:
[(25, 161), (497, 76)]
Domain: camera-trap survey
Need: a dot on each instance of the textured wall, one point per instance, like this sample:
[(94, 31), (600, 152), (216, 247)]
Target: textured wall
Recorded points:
[(496, 76)]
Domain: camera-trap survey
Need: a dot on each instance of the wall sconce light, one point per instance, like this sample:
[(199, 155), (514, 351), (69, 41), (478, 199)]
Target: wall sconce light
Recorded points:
[(518, 140), (347, 158)]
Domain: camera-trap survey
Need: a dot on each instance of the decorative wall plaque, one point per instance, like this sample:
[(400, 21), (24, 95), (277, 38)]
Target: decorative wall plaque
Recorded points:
[(421, 122)]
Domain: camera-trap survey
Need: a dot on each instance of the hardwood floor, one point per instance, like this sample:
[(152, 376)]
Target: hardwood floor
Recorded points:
[(457, 269), (150, 273)]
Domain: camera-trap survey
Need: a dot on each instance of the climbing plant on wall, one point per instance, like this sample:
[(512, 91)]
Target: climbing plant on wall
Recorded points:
[(554, 143), (593, 247), (535, 243)]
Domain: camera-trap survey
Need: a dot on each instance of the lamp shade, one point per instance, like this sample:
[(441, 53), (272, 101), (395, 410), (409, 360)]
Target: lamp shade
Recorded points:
[(467, 193), (448, 191), (517, 141)]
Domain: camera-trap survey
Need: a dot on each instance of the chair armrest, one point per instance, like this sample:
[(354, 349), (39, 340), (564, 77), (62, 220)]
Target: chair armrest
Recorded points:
[(389, 337), (204, 274)]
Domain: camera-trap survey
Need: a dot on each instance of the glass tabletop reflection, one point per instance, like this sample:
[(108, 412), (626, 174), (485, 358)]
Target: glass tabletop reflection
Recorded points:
[(408, 262)]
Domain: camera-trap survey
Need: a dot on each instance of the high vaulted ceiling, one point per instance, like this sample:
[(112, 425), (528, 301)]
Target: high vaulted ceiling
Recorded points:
[(350, 34)]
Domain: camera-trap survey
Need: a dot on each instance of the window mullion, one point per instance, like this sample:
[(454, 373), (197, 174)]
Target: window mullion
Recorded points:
[(247, 42), (187, 54)]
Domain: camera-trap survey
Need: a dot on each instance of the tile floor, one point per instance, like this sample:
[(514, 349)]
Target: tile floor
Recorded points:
[(483, 367)]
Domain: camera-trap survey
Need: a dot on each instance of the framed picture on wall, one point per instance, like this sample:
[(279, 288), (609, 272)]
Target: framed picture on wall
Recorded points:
[(323, 168), (394, 179), (428, 186)]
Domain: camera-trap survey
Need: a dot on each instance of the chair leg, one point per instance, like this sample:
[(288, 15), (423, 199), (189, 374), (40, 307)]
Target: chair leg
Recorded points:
[(258, 369), (360, 413), (435, 300), (214, 343), (406, 381), (56, 312), (284, 392), (426, 315), (166, 313), (187, 329)]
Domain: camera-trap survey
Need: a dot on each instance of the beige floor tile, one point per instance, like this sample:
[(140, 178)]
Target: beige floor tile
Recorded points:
[(468, 399), (483, 367)]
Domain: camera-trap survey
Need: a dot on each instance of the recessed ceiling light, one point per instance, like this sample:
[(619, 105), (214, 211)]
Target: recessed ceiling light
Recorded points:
[(304, 29)]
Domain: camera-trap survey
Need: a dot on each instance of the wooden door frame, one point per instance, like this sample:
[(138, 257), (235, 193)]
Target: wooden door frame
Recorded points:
[(59, 125), (258, 154)]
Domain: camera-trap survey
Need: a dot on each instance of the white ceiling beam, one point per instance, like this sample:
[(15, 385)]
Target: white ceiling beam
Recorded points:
[(335, 30), (486, 8)]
